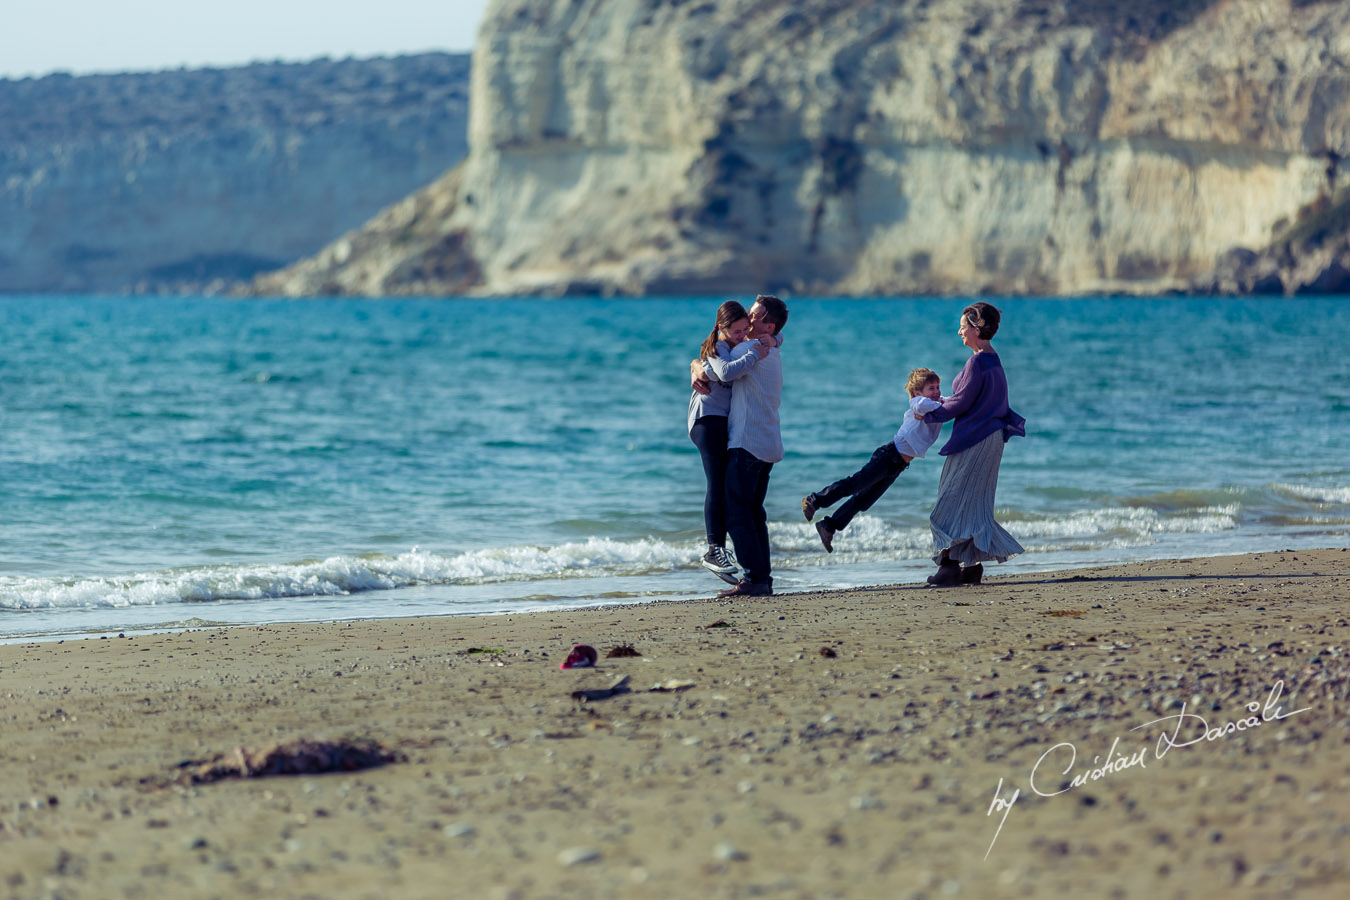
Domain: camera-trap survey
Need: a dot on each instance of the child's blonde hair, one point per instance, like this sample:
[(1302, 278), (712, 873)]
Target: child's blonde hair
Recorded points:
[(918, 378)]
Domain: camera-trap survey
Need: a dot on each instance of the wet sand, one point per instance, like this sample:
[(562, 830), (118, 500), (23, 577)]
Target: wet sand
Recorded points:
[(846, 744)]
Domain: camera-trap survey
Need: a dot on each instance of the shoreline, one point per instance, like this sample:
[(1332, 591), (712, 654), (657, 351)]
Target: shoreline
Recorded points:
[(197, 623), (856, 742)]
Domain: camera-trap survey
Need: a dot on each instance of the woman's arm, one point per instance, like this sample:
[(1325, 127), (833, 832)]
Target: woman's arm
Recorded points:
[(966, 388), (740, 363)]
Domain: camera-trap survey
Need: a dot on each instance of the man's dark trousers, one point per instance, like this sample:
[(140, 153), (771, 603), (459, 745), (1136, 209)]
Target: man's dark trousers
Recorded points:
[(747, 523)]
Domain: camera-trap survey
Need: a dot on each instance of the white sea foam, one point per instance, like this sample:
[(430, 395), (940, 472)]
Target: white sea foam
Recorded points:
[(578, 559), (1096, 528), (865, 534), (794, 544), (1125, 522), (347, 575), (1319, 495)]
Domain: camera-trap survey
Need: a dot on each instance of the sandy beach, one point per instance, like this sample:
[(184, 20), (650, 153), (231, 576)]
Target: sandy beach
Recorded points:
[(1161, 729)]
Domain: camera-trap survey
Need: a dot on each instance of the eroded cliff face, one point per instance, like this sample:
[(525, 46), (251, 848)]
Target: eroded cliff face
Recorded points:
[(850, 146)]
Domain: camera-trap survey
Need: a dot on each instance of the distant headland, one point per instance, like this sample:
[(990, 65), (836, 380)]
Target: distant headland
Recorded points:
[(195, 180)]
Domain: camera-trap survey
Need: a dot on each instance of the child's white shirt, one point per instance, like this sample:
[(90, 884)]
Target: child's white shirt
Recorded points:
[(917, 435)]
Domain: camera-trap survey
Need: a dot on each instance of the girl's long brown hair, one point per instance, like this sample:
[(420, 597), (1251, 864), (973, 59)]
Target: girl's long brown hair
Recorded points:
[(727, 314)]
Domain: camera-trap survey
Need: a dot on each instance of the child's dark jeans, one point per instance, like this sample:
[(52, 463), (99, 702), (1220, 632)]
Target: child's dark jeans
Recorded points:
[(863, 488)]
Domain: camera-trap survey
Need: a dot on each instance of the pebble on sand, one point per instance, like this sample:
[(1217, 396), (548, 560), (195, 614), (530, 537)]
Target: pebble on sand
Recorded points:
[(725, 852), (576, 856)]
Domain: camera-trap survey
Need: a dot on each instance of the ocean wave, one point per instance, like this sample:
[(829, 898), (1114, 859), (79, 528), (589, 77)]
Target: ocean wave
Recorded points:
[(1137, 522), (340, 575), (1321, 523), (1322, 495), (1255, 500), (870, 541), (1098, 528), (865, 534), (794, 544), (1189, 498)]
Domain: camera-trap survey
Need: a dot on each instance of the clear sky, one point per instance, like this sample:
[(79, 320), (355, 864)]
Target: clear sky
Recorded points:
[(82, 36)]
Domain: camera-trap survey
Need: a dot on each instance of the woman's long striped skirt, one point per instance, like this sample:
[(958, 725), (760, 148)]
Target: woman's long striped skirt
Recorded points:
[(963, 517)]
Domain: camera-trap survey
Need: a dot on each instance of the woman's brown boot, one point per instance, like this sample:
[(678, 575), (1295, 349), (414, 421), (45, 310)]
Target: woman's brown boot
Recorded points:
[(948, 574)]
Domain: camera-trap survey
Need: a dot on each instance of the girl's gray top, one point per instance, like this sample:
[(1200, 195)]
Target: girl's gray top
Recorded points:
[(729, 364)]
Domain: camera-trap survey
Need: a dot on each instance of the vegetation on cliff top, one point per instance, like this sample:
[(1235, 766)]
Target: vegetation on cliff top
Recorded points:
[(299, 96)]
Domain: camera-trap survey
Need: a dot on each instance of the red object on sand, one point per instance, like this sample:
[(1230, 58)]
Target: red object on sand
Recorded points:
[(580, 657)]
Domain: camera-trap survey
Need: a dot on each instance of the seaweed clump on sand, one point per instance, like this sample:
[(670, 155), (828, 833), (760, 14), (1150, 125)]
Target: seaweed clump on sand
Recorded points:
[(299, 756)]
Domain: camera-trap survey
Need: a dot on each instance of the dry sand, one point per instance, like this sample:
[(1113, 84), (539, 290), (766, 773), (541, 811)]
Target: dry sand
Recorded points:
[(843, 744)]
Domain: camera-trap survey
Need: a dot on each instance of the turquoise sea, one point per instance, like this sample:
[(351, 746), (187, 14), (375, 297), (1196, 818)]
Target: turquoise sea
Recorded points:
[(175, 463)]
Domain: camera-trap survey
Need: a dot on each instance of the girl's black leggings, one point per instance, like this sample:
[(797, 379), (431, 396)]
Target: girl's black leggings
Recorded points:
[(709, 435)]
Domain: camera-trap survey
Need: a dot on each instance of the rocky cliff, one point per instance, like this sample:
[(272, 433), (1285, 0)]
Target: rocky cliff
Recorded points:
[(851, 146), (198, 179)]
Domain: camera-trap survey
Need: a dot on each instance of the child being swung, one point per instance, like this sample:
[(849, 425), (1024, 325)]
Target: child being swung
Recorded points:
[(865, 486)]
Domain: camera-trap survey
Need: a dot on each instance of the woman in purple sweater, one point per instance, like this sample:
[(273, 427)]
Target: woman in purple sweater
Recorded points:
[(964, 531)]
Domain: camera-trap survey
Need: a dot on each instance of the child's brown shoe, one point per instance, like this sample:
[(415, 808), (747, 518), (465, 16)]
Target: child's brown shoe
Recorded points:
[(826, 536)]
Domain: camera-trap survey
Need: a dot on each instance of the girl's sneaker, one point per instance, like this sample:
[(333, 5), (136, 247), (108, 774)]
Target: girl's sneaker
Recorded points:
[(719, 562)]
